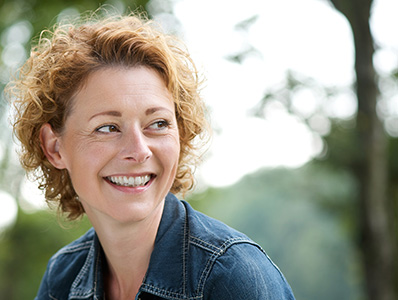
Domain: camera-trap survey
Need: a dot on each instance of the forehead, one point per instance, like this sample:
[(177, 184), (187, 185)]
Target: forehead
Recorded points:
[(107, 86), (137, 80)]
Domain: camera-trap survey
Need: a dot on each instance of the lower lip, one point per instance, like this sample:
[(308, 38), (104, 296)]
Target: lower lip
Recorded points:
[(129, 189)]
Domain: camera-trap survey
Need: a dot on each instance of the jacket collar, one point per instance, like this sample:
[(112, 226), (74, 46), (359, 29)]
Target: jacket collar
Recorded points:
[(166, 275), (88, 282)]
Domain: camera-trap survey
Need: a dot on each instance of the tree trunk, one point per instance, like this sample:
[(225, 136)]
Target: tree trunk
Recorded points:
[(376, 242)]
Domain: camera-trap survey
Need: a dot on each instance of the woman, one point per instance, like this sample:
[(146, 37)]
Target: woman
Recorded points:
[(108, 113)]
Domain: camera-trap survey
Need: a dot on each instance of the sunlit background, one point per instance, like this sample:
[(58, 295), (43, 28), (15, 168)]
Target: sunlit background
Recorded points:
[(247, 49)]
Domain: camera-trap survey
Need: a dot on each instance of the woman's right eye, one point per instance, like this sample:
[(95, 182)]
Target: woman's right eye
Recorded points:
[(107, 129)]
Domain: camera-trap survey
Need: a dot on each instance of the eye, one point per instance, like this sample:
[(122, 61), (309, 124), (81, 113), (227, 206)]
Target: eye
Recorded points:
[(107, 129), (159, 125)]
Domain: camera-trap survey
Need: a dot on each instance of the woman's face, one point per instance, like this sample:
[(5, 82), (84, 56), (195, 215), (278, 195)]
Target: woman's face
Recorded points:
[(120, 144)]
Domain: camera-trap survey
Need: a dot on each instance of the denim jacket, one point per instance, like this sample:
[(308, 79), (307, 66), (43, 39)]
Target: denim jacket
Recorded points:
[(195, 258)]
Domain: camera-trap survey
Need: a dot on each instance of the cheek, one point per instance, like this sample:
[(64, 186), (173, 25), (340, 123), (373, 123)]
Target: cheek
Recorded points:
[(175, 153), (171, 149), (167, 154), (83, 157)]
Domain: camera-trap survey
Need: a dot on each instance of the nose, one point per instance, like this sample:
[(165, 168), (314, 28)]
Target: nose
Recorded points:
[(135, 147)]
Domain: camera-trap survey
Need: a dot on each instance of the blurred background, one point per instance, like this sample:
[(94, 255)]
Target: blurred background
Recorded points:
[(303, 99)]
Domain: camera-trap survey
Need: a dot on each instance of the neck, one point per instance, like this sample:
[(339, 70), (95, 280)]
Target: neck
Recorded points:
[(128, 248)]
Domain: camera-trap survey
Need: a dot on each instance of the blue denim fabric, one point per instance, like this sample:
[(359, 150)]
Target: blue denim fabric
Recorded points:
[(195, 257)]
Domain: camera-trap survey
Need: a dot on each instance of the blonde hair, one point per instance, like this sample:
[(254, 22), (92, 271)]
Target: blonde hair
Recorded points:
[(62, 60)]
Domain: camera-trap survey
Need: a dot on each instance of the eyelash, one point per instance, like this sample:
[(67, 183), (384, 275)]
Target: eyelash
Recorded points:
[(116, 129), (161, 124)]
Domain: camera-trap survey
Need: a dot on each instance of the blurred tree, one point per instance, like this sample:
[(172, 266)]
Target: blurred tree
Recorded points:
[(370, 142), (361, 146)]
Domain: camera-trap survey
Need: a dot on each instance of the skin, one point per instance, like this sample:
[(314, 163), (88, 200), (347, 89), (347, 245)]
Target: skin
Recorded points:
[(122, 124)]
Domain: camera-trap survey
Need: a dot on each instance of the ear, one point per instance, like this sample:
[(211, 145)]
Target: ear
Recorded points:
[(50, 145)]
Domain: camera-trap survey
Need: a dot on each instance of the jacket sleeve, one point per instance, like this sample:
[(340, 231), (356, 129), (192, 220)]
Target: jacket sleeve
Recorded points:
[(244, 272)]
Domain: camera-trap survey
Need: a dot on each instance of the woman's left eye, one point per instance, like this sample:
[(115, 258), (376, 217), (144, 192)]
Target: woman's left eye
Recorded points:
[(159, 125), (107, 129)]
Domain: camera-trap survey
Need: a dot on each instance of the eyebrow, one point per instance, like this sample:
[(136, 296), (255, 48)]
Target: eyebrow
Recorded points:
[(113, 113), (152, 110)]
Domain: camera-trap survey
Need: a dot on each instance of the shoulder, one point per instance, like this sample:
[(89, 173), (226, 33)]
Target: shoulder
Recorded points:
[(235, 266), (245, 271), (73, 252), (65, 265)]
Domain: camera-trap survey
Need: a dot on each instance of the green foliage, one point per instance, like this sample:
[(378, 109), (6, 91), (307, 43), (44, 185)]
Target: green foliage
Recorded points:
[(43, 14), (304, 219), (22, 20)]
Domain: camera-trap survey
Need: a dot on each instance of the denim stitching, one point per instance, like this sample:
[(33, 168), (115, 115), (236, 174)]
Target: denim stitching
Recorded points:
[(98, 261), (82, 272), (84, 268), (68, 250), (210, 262), (164, 293), (205, 245), (74, 248), (184, 254)]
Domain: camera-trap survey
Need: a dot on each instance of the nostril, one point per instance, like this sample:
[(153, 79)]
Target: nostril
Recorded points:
[(140, 157)]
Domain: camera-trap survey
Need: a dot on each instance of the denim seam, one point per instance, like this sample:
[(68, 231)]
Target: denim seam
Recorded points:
[(67, 251), (164, 293), (185, 253), (205, 245), (82, 273), (98, 261), (210, 262), (75, 248)]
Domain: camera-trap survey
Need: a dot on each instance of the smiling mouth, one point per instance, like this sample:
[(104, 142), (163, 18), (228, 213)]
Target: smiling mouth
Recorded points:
[(130, 181)]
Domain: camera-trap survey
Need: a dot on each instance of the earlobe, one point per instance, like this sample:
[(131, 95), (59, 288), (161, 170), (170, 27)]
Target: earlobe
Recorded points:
[(50, 144)]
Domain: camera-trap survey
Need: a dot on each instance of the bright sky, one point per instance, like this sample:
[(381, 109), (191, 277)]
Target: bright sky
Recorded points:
[(307, 36)]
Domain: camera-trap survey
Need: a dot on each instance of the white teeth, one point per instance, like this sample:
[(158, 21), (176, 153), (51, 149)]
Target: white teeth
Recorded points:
[(130, 181)]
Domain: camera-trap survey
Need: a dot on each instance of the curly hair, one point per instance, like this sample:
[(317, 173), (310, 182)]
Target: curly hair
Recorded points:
[(62, 60)]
